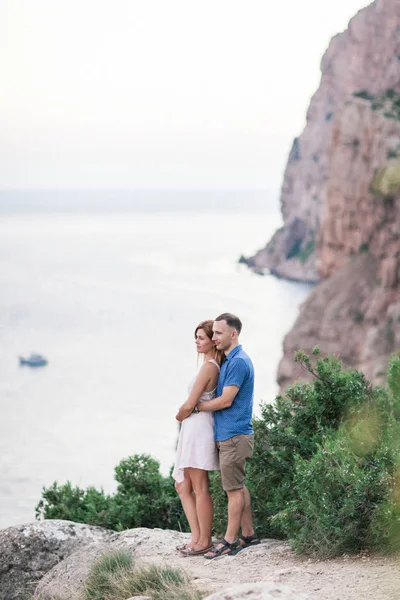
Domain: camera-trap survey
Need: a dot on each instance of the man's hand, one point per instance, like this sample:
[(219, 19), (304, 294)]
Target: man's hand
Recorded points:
[(224, 401)]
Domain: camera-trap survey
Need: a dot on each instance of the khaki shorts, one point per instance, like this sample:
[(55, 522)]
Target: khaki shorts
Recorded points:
[(233, 454)]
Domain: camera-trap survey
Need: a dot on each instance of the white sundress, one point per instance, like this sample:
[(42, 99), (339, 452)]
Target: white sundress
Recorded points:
[(196, 443)]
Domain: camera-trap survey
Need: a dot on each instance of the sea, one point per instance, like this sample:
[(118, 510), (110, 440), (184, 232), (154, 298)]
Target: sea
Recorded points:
[(109, 287)]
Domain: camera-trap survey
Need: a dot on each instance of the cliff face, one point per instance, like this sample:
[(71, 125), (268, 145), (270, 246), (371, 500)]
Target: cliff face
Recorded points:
[(341, 201)]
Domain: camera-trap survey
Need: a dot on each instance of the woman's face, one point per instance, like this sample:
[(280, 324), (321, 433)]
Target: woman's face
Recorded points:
[(203, 342)]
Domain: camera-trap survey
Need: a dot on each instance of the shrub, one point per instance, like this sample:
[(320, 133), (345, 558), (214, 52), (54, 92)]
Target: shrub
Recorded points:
[(364, 94), (394, 383), (385, 525), (144, 498), (306, 252), (296, 427), (343, 496), (74, 504), (391, 93), (337, 493), (151, 497)]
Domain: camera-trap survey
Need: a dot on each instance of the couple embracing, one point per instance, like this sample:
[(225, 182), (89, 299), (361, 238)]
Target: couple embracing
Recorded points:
[(217, 435)]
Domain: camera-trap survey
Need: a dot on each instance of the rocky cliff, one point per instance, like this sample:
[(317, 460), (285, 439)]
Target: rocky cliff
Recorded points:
[(341, 201)]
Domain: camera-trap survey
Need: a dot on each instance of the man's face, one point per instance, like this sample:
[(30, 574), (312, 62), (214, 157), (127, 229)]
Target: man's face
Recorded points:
[(223, 335)]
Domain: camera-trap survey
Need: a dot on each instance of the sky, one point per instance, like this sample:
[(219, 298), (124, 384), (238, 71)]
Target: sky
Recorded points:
[(159, 94)]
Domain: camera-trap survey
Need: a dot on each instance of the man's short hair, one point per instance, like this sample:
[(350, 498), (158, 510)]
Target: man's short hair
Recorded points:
[(231, 320)]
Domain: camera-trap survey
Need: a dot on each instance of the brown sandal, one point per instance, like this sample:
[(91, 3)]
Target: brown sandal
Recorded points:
[(183, 547), (192, 552)]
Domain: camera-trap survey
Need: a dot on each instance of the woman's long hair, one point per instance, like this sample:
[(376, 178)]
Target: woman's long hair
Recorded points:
[(207, 327)]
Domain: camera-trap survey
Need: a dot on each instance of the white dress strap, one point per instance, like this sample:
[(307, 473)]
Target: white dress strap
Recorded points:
[(215, 363)]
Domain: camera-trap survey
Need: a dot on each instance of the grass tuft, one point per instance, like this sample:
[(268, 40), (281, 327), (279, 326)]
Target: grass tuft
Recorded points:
[(106, 573), (113, 577)]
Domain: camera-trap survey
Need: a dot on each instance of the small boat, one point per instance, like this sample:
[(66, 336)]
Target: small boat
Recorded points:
[(34, 360)]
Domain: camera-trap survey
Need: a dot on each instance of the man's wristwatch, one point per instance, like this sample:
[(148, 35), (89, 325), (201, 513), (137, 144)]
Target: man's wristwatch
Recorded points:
[(196, 410)]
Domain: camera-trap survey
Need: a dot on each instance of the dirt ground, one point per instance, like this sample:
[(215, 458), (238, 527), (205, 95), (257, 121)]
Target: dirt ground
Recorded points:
[(344, 578)]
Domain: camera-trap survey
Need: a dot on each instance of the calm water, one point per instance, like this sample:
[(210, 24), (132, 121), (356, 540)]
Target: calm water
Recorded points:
[(111, 297)]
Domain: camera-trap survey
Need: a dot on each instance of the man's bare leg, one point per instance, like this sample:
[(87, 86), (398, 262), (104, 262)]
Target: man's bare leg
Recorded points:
[(236, 505), (247, 517)]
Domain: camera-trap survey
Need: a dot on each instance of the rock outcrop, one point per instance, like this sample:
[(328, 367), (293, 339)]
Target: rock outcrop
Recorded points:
[(52, 559), (30, 551), (65, 580), (341, 201)]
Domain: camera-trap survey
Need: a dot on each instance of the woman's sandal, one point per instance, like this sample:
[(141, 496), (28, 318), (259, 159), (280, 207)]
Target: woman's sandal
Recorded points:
[(249, 540), (226, 549), (189, 551)]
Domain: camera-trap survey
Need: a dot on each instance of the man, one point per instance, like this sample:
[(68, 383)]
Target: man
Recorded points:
[(234, 435)]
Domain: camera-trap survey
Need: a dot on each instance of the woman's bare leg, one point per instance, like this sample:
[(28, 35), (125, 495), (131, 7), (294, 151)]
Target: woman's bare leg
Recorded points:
[(204, 506), (185, 493)]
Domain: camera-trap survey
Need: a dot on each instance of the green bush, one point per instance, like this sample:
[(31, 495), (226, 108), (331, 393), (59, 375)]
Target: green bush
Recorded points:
[(148, 498), (363, 94), (393, 374), (306, 252), (295, 425), (324, 474), (74, 504), (385, 525), (144, 498), (337, 493)]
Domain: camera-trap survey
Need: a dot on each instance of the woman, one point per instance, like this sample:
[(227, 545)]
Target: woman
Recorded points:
[(197, 453)]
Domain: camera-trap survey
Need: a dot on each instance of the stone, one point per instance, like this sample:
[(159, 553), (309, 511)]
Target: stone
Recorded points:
[(66, 579), (28, 552)]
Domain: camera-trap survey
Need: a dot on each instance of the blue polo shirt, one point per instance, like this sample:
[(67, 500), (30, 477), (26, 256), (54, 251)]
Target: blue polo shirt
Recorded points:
[(237, 369)]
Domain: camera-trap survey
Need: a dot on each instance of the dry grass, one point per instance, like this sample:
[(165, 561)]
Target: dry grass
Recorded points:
[(114, 577)]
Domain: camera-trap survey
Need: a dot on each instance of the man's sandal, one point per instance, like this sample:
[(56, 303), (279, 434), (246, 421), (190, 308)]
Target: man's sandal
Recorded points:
[(249, 540), (225, 550)]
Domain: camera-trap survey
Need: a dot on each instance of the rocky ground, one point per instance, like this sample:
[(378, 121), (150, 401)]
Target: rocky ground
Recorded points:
[(52, 559), (345, 578)]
